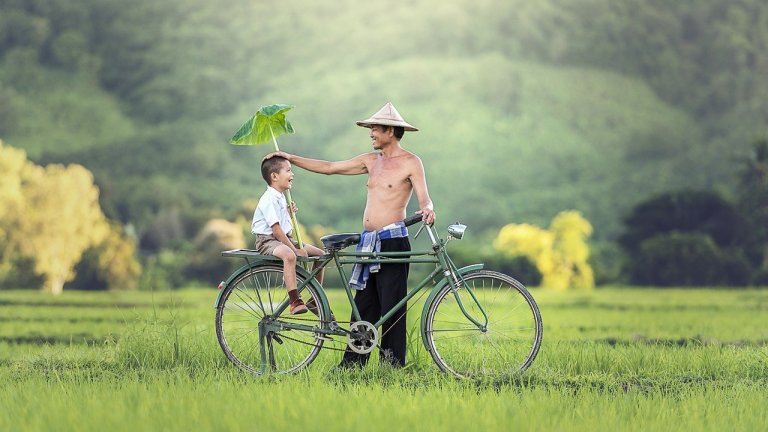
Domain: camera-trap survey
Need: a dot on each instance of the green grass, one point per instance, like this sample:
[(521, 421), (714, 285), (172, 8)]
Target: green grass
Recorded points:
[(611, 359)]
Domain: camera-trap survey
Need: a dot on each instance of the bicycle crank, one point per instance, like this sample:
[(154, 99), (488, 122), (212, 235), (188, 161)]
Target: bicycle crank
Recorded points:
[(363, 337)]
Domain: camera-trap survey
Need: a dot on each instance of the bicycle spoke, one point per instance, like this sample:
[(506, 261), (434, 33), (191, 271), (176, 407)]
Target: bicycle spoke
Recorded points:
[(474, 328), (251, 299), (248, 303), (508, 344)]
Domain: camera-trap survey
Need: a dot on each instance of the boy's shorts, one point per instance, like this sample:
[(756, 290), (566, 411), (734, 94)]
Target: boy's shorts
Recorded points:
[(266, 244)]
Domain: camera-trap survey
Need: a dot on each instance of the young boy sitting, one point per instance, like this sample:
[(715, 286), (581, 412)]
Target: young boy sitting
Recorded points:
[(272, 226)]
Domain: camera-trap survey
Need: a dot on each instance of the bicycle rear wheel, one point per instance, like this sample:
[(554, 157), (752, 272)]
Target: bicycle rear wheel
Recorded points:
[(508, 344), (253, 296)]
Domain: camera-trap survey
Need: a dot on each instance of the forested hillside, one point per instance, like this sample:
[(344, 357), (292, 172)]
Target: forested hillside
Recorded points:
[(525, 108)]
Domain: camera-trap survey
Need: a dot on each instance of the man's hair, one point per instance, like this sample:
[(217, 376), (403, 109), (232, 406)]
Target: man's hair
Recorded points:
[(271, 165), (399, 131)]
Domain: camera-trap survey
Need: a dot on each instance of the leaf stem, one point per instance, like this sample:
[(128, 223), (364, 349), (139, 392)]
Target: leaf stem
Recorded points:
[(288, 198)]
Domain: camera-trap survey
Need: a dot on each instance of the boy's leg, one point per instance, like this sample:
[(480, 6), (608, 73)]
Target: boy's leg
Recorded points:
[(289, 265), (289, 277), (315, 251)]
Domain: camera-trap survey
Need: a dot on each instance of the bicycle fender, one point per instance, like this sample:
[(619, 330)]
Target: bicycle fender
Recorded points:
[(255, 263), (438, 287)]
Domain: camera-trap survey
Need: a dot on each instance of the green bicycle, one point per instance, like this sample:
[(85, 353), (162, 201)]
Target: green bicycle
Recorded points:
[(474, 323)]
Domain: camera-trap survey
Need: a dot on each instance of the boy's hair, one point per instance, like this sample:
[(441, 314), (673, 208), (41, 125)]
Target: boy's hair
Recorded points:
[(271, 165)]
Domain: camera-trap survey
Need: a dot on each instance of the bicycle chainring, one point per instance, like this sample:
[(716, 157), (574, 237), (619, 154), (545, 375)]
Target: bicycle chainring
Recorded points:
[(363, 337)]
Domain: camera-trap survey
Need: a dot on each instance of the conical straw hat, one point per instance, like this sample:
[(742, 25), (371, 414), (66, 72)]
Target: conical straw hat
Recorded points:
[(387, 116)]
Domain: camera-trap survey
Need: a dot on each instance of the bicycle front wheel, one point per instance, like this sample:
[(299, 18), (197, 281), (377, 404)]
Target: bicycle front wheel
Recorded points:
[(253, 296), (506, 345)]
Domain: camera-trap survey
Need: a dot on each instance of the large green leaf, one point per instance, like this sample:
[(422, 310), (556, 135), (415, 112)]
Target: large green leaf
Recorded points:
[(260, 128)]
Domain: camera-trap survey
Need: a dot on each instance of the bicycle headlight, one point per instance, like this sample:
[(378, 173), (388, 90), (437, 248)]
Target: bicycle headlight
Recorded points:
[(457, 230)]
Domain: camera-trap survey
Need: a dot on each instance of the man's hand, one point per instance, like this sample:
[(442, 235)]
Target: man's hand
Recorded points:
[(427, 215), (282, 154), (301, 252)]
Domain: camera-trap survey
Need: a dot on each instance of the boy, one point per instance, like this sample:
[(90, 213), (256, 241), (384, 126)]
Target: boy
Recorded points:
[(272, 226)]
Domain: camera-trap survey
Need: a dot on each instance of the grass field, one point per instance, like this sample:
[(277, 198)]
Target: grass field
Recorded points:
[(625, 359)]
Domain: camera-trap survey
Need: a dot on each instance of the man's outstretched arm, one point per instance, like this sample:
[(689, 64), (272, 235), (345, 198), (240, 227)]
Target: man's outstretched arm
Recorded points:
[(352, 166)]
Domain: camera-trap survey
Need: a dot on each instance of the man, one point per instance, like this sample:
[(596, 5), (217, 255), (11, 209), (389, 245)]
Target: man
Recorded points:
[(393, 174)]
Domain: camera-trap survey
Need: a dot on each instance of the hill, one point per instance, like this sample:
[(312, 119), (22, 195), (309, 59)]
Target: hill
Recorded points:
[(526, 108)]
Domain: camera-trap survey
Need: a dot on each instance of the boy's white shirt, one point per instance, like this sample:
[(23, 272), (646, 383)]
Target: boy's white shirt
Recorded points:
[(272, 208)]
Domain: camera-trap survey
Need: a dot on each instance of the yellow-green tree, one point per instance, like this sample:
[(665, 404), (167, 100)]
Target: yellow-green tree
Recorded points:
[(53, 216), (12, 164), (116, 259), (206, 263), (560, 253)]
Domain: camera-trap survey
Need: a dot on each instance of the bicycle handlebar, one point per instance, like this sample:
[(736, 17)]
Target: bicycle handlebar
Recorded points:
[(410, 220)]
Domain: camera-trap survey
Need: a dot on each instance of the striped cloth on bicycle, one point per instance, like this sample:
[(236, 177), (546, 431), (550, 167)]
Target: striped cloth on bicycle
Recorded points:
[(370, 241)]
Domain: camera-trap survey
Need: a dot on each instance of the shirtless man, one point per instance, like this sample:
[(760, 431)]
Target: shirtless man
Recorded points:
[(393, 175)]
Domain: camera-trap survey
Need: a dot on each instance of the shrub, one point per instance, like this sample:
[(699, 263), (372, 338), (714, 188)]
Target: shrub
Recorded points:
[(110, 265), (206, 262), (519, 267), (760, 279), (735, 270), (677, 259)]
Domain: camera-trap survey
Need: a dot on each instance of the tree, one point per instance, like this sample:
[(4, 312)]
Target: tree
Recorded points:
[(685, 211), (206, 262), (560, 253), (58, 220), (686, 238), (109, 265), (753, 200), (678, 259), (12, 164), (571, 231)]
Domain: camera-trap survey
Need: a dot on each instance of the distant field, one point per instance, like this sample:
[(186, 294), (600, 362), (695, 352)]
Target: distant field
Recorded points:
[(624, 359)]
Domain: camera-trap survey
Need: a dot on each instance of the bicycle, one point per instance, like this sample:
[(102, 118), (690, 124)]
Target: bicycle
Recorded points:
[(474, 322)]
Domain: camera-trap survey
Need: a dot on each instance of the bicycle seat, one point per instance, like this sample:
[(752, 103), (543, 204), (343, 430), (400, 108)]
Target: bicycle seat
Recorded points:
[(340, 241)]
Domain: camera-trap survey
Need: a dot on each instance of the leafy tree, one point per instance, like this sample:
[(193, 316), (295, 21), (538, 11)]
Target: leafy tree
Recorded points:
[(18, 28), (571, 232), (13, 163), (561, 253), (48, 216), (59, 219), (206, 262), (678, 259), (70, 50), (686, 238), (753, 200), (111, 264), (685, 211)]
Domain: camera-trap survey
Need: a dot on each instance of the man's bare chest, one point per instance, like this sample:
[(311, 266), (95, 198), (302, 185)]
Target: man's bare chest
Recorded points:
[(389, 176)]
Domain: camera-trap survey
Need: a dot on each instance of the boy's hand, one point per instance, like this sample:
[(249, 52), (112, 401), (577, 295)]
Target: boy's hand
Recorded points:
[(293, 209), (301, 252)]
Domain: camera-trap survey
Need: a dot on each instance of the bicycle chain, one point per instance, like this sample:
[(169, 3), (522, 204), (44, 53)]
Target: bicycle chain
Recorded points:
[(378, 346), (308, 343)]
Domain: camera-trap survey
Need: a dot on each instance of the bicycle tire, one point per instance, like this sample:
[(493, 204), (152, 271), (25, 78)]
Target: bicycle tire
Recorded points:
[(251, 297), (512, 338)]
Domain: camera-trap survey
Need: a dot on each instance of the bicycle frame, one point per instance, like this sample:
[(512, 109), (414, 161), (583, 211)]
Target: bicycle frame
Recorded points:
[(445, 269)]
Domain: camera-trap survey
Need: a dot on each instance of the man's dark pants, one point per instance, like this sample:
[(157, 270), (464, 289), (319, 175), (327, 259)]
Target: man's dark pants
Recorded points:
[(383, 290)]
